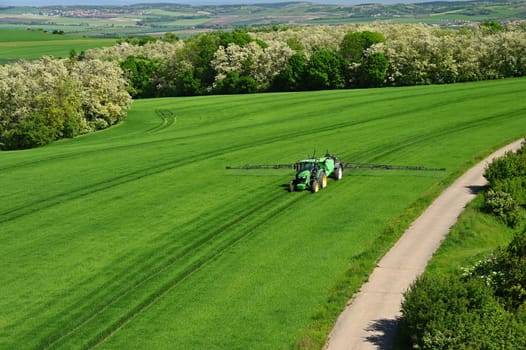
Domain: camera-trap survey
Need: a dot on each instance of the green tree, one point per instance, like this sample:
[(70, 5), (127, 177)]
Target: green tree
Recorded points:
[(238, 36), (505, 272), (186, 84), (170, 37), (199, 52), (32, 131), (291, 77), (506, 193), (142, 74), (492, 26), (354, 44), (234, 83), (325, 70), (441, 313), (372, 72)]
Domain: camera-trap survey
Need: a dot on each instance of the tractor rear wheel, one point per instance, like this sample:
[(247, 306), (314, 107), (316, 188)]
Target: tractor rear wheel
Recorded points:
[(314, 186), (338, 172)]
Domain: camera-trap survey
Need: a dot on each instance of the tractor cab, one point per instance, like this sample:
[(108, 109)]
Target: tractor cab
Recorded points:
[(305, 170), (305, 165)]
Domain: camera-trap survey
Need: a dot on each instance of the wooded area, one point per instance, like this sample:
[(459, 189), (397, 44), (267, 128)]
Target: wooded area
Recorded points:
[(48, 99)]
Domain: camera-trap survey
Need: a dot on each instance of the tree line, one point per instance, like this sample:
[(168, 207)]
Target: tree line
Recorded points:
[(48, 99), (319, 57)]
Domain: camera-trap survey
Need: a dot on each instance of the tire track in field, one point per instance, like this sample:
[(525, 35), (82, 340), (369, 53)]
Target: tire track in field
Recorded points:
[(167, 253), (251, 220), (381, 151), (333, 126), (236, 148), (167, 119), (159, 259), (186, 241), (447, 130), (58, 199), (396, 97), (437, 103)]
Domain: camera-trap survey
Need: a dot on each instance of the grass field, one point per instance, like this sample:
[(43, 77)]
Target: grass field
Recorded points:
[(24, 44), (137, 236)]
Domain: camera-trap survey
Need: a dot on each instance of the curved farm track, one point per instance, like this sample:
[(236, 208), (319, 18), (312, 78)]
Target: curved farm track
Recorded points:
[(371, 317)]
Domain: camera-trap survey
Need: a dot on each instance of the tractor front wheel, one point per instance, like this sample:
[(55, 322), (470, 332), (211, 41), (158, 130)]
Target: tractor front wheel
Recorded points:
[(292, 186)]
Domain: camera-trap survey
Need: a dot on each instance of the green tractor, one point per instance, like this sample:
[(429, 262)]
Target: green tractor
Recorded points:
[(312, 173)]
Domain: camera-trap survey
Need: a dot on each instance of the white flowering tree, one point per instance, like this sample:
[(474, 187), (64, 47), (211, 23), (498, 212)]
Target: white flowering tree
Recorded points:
[(261, 64), (103, 92), (39, 102), (47, 99)]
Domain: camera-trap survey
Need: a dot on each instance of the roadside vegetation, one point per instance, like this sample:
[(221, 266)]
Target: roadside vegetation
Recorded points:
[(474, 292), (137, 236)]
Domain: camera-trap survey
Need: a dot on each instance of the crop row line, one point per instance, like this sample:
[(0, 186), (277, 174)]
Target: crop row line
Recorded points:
[(384, 150), (472, 89), (213, 243), (45, 203)]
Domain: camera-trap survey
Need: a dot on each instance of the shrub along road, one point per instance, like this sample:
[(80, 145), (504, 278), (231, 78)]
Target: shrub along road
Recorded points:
[(370, 320)]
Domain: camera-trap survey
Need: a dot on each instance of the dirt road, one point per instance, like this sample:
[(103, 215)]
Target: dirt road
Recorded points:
[(370, 320)]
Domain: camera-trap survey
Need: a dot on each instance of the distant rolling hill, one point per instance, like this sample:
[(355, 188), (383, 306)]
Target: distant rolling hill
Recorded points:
[(196, 2)]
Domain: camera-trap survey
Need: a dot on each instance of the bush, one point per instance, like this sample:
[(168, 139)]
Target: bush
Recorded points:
[(506, 191), (505, 272), (447, 313), (291, 77), (325, 70), (30, 132), (236, 84), (142, 74), (372, 72), (502, 205), (508, 166)]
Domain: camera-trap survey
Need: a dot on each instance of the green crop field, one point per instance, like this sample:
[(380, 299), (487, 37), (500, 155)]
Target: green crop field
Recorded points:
[(138, 237), (24, 44)]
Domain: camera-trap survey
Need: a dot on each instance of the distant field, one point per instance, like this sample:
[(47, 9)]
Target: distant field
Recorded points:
[(186, 20), (25, 44), (137, 236)]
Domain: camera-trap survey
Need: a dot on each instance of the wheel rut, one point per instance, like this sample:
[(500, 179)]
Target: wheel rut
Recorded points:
[(168, 275)]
